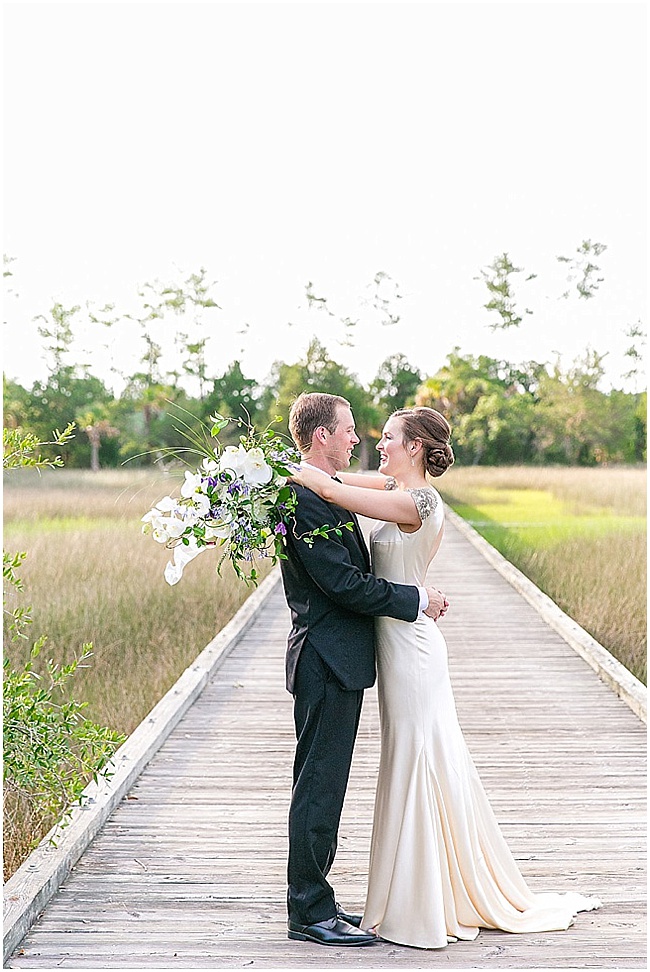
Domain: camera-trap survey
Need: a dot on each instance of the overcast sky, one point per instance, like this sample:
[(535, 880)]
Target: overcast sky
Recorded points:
[(276, 144)]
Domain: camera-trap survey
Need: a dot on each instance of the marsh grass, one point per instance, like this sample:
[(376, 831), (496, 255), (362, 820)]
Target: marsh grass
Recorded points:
[(619, 489), (579, 534), (91, 575)]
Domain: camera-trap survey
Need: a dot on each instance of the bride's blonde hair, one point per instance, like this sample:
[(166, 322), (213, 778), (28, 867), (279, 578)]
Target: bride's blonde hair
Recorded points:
[(434, 430)]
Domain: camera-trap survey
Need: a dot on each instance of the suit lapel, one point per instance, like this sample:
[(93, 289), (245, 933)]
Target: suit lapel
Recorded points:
[(344, 516), (361, 539), (358, 532)]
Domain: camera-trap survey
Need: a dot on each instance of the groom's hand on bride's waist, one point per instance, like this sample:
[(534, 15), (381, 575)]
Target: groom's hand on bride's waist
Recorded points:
[(438, 604)]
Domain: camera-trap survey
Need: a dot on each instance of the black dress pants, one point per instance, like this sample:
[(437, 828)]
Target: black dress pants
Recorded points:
[(326, 718)]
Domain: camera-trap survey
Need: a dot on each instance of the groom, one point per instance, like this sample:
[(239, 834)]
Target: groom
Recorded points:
[(333, 597)]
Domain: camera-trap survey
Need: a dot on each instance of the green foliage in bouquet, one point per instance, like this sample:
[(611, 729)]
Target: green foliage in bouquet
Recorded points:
[(239, 500)]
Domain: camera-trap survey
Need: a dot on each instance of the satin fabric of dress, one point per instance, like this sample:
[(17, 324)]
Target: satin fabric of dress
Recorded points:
[(440, 867)]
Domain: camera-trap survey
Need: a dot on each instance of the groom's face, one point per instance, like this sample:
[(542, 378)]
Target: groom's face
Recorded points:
[(342, 441)]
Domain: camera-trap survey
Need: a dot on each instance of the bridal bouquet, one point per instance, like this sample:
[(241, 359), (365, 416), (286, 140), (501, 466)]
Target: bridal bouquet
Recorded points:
[(238, 499)]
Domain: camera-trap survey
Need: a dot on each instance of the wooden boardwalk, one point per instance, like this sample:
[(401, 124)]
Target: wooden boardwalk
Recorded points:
[(189, 872)]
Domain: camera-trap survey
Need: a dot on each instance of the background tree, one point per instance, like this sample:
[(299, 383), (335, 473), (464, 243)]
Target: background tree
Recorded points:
[(234, 395), (190, 300), (395, 384), (488, 404), (16, 404), (637, 335), (60, 400), (568, 420), (385, 292), (319, 372), (498, 280), (97, 426), (146, 421), (582, 271), (500, 411), (58, 336)]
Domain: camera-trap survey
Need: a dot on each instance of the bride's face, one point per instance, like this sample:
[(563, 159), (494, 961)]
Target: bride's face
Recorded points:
[(393, 456)]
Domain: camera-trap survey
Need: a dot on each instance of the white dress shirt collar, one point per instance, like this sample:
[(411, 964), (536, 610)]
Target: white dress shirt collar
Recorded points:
[(317, 468)]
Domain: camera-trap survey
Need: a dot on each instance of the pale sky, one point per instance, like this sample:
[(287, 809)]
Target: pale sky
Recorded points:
[(276, 144)]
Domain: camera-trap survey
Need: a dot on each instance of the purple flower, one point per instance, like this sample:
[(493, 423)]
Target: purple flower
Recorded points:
[(238, 488), (281, 528)]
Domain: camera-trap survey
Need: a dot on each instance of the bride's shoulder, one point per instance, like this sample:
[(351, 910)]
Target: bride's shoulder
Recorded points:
[(426, 498)]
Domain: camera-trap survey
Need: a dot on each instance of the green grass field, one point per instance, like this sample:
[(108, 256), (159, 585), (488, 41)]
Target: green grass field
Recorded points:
[(579, 534)]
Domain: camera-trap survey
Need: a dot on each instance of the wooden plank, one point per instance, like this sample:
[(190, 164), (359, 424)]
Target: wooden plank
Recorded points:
[(189, 871), (32, 886), (626, 685)]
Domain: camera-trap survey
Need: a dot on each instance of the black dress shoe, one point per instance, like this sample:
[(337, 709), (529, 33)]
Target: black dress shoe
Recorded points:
[(332, 931), (351, 919)]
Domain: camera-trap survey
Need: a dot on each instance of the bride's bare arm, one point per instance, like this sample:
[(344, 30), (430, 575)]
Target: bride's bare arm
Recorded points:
[(367, 480), (394, 505)]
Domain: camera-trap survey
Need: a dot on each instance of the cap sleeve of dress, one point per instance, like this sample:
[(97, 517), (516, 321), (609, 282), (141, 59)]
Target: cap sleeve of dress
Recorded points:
[(425, 501)]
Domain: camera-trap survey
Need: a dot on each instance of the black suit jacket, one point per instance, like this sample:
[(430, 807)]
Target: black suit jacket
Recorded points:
[(334, 597)]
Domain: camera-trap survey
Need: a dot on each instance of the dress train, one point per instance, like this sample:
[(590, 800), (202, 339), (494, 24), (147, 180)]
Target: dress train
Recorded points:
[(440, 868)]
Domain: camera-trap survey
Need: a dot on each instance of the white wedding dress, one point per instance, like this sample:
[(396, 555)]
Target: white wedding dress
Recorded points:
[(440, 868)]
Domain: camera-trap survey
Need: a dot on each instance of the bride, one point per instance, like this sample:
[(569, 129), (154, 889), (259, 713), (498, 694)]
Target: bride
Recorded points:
[(440, 868)]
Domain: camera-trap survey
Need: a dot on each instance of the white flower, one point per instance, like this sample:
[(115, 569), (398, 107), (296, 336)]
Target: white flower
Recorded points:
[(192, 484), (233, 459), (201, 504), (249, 466), (175, 527), (158, 528), (192, 489), (167, 504), (181, 556), (256, 471), (231, 500), (163, 528), (220, 532)]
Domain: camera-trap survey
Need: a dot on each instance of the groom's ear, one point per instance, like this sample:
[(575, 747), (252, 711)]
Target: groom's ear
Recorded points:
[(321, 434)]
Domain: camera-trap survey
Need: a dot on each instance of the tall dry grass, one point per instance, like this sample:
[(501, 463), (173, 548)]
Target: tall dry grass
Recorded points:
[(620, 489), (91, 575), (599, 580)]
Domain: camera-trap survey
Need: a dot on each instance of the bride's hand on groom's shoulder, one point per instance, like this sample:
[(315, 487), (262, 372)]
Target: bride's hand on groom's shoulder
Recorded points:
[(310, 479), (300, 475)]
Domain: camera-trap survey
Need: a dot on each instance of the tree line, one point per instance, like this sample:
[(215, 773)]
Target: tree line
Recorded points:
[(500, 412)]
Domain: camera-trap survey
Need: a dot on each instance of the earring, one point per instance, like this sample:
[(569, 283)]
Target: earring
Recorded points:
[(412, 461)]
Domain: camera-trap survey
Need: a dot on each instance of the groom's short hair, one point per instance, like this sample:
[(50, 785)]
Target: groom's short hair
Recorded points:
[(311, 410)]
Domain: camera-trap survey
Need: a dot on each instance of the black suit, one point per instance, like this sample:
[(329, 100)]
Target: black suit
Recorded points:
[(333, 599)]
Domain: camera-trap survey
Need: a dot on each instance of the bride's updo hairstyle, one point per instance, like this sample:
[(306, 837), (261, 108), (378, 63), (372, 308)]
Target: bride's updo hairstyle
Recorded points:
[(434, 431)]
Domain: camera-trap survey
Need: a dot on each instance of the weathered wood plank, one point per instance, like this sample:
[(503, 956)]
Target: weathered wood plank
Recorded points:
[(189, 871), (29, 889)]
